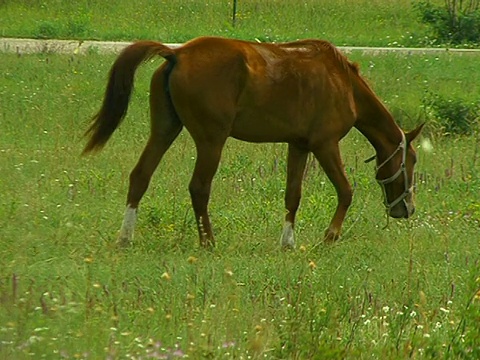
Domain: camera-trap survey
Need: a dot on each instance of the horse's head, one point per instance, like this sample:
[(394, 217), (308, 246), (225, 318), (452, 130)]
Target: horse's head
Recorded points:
[(395, 176)]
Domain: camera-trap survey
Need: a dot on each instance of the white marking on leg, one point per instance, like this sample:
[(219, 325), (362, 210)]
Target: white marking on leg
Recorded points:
[(288, 237), (128, 226)]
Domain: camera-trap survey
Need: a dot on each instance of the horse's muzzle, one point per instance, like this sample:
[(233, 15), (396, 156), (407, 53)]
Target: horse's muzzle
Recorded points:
[(403, 210)]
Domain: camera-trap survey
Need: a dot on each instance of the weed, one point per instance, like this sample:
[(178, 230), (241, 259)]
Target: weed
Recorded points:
[(465, 340)]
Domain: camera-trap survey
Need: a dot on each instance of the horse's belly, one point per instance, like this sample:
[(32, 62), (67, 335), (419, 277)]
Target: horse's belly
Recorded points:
[(266, 128)]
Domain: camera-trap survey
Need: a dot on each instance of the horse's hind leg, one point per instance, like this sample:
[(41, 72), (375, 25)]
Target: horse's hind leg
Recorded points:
[(165, 127), (140, 179), (297, 159)]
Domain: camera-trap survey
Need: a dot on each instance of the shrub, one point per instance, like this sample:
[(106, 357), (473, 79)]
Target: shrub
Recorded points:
[(47, 30), (456, 22), (76, 28), (452, 116), (79, 25)]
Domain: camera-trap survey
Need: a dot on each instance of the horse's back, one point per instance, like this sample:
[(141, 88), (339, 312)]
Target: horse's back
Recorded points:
[(253, 88), (216, 58)]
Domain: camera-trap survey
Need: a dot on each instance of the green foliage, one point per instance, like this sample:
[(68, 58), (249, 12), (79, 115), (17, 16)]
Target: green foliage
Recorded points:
[(452, 116), (456, 22)]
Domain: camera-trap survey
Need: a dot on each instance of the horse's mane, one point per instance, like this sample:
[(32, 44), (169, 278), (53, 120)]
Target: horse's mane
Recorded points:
[(325, 46), (347, 64), (350, 66)]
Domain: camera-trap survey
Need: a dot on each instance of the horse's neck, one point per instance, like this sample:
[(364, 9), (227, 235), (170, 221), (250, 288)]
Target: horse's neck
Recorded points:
[(376, 123), (382, 132)]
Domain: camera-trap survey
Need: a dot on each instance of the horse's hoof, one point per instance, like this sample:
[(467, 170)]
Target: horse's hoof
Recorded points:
[(123, 242), (288, 247), (287, 240), (331, 237), (207, 244)]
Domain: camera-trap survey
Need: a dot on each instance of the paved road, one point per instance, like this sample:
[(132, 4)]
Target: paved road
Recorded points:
[(29, 46)]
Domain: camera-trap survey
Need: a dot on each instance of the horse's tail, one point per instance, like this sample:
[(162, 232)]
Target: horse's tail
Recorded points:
[(119, 89)]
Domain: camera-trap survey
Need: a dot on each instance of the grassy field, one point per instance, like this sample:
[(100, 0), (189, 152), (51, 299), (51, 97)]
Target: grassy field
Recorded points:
[(362, 22), (410, 290)]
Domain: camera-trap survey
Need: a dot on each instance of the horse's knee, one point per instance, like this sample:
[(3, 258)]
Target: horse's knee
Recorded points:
[(195, 188)]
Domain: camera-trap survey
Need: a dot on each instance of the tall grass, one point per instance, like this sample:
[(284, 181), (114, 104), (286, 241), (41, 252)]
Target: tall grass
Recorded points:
[(362, 22), (410, 290)]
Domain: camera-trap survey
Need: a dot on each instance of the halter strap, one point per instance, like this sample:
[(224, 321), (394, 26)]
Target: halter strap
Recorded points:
[(402, 170)]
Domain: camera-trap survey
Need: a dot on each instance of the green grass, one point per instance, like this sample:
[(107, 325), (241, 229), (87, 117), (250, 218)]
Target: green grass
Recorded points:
[(410, 290), (363, 22)]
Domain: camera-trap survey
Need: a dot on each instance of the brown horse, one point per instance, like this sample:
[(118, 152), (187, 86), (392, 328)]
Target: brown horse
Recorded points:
[(303, 93)]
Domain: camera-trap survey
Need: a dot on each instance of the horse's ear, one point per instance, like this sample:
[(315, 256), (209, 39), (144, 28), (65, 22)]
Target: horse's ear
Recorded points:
[(410, 136)]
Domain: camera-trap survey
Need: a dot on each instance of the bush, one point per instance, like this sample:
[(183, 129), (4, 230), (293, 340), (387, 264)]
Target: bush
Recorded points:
[(47, 30), (457, 22), (76, 29), (452, 116)]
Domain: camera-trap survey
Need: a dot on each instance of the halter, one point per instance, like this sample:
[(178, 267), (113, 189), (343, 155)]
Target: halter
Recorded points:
[(402, 170)]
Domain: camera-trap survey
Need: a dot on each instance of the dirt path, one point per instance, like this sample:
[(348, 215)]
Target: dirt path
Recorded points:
[(30, 46)]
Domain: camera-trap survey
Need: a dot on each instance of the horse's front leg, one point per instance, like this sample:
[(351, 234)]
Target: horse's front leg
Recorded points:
[(329, 157), (297, 159), (208, 158)]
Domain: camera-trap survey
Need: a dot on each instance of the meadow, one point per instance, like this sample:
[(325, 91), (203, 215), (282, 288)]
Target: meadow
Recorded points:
[(361, 22), (410, 290)]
